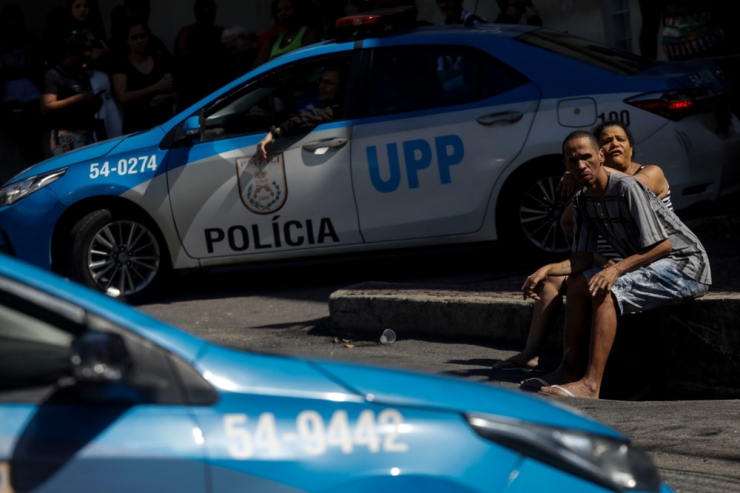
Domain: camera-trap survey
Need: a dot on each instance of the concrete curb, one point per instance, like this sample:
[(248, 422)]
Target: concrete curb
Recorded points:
[(697, 341)]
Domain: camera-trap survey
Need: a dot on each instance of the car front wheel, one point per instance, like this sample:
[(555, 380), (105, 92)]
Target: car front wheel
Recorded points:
[(117, 253)]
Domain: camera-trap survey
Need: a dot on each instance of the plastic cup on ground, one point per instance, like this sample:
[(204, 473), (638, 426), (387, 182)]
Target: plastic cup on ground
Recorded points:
[(388, 337)]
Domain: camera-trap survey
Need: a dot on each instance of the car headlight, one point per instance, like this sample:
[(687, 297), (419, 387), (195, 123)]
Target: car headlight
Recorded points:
[(12, 193), (608, 462)]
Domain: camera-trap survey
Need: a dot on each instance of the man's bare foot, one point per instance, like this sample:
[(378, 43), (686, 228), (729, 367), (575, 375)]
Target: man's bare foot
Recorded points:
[(558, 377), (517, 362), (578, 389)]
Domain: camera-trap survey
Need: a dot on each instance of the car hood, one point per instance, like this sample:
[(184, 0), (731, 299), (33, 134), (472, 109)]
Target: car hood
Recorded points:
[(406, 388), (87, 153), (248, 373)]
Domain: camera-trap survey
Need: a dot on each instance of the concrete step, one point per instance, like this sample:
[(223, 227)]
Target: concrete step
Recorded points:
[(695, 342)]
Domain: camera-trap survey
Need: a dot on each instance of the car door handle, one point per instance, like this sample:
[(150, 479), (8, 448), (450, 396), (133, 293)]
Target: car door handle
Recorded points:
[(503, 116), (316, 145)]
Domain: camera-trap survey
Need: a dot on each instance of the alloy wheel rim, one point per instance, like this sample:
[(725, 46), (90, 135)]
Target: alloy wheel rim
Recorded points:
[(539, 216), (123, 258)]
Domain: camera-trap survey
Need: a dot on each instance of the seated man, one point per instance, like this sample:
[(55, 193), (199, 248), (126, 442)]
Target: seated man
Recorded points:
[(330, 93), (663, 262)]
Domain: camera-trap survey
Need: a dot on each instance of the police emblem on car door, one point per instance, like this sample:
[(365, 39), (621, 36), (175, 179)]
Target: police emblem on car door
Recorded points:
[(262, 184)]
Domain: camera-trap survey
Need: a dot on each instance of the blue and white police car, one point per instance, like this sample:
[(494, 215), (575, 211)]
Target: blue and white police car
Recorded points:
[(98, 397), (447, 135)]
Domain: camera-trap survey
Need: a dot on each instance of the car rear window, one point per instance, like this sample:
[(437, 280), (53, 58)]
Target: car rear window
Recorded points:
[(587, 51), (421, 77)]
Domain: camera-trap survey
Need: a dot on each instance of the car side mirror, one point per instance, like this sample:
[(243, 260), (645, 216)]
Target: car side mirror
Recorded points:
[(191, 126), (99, 357)]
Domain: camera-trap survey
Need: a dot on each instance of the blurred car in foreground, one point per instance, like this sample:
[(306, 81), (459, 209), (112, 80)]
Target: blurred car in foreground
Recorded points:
[(447, 135), (98, 397)]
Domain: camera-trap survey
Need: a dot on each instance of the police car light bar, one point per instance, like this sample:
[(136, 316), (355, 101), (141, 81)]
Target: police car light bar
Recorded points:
[(377, 22)]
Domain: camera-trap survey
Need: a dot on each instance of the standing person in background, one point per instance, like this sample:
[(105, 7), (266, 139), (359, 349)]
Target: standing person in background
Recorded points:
[(455, 14), (513, 10), (85, 18), (273, 31), (121, 18), (299, 18), (68, 102), (651, 11), (200, 57), (143, 83), (19, 93), (241, 48)]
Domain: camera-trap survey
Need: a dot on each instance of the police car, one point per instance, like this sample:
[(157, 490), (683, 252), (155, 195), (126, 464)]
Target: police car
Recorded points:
[(447, 135), (98, 397)]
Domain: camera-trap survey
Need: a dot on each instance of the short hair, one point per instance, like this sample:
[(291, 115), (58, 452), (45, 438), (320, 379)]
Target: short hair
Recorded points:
[(615, 123), (580, 134)]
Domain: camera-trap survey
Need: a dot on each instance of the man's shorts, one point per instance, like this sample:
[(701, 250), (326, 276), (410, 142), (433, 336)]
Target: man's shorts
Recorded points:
[(652, 286)]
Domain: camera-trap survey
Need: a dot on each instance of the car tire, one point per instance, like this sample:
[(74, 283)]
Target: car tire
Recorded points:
[(118, 253), (530, 208)]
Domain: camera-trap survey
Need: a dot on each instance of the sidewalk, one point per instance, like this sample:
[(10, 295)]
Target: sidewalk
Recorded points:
[(694, 345)]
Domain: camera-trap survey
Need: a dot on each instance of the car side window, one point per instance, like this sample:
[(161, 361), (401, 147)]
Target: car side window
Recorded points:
[(270, 100), (33, 352), (38, 336), (411, 79)]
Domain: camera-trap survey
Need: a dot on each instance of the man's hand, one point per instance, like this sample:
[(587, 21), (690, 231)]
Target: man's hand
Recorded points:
[(261, 153), (531, 283), (603, 281), (567, 185)]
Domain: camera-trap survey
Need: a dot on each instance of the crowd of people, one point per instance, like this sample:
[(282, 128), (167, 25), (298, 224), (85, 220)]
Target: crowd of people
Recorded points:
[(79, 86)]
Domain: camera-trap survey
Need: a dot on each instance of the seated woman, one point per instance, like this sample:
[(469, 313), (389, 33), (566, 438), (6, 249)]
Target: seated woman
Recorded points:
[(618, 144), (143, 83)]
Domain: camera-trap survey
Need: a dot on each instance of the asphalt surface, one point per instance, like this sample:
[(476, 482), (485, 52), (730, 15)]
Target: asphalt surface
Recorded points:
[(282, 308)]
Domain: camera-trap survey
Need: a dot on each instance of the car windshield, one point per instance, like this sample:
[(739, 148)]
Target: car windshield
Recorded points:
[(587, 51)]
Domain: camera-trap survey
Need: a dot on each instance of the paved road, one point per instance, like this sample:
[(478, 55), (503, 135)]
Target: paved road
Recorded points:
[(283, 309)]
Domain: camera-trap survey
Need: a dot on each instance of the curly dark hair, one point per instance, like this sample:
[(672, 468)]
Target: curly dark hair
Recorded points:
[(615, 123)]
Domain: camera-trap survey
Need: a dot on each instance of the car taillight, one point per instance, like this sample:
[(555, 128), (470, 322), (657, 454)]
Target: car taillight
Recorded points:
[(679, 104)]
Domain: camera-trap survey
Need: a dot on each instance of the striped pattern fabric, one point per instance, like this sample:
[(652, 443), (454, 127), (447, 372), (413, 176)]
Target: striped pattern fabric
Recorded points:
[(603, 247), (630, 217)]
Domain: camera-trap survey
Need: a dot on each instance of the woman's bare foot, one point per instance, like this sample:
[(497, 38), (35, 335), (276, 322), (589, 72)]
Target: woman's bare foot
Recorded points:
[(519, 361), (581, 389)]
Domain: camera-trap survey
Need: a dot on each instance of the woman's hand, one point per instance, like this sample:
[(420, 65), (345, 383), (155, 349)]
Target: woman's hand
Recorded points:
[(531, 283)]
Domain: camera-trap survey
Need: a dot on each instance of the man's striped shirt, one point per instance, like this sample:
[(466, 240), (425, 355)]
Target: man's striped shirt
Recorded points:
[(630, 217)]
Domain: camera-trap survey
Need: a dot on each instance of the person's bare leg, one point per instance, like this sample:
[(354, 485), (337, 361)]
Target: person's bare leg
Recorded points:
[(603, 332), (577, 325), (551, 294)]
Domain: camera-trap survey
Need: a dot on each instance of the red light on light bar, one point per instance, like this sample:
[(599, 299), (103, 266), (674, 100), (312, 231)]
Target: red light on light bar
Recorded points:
[(359, 20)]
